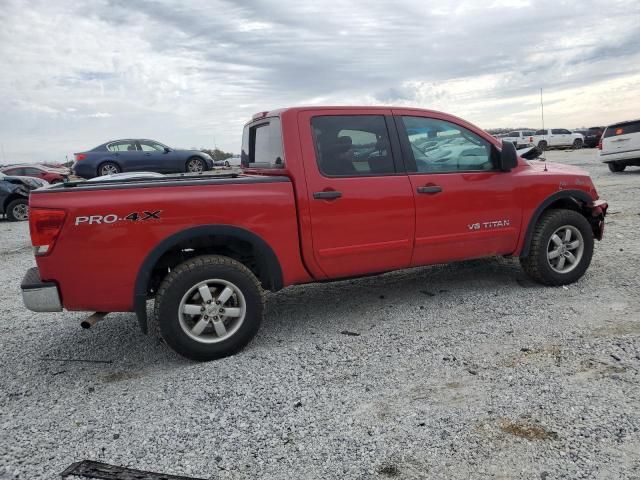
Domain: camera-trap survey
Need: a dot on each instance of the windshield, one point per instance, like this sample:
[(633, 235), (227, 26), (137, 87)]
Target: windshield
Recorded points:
[(262, 144)]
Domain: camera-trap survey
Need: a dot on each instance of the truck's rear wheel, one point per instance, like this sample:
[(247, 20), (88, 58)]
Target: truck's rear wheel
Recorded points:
[(561, 248), (577, 144), (209, 307), (616, 167), (542, 145)]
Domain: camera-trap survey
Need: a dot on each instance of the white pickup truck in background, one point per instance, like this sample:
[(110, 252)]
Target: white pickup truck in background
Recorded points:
[(557, 137), (520, 138)]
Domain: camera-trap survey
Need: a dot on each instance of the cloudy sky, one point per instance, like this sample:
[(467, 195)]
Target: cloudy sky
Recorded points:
[(190, 73)]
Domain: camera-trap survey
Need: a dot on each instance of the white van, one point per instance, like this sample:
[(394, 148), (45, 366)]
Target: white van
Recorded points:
[(620, 145)]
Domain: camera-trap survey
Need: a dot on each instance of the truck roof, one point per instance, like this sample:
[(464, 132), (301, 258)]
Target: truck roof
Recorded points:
[(280, 111)]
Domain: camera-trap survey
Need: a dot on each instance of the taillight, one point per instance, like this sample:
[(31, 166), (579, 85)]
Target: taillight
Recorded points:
[(80, 156), (530, 139), (45, 225), (600, 144)]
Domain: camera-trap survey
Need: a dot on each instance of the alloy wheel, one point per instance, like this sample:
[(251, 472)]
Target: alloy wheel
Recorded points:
[(21, 211), (195, 165), (212, 311), (565, 248)]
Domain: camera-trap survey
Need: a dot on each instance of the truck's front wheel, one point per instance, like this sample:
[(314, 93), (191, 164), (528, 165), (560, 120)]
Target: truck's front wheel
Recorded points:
[(209, 307), (561, 248)]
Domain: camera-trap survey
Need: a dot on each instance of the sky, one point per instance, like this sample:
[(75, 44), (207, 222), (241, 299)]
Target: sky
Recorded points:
[(76, 73)]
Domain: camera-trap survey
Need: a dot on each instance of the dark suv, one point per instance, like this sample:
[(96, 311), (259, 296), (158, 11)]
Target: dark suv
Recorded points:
[(592, 136)]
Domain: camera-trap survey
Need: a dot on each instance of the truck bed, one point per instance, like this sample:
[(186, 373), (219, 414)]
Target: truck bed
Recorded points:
[(128, 219)]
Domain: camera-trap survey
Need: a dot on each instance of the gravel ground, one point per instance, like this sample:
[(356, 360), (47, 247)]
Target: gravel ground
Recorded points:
[(465, 371)]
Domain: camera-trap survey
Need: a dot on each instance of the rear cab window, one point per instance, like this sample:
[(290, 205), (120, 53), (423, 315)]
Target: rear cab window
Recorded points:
[(262, 144)]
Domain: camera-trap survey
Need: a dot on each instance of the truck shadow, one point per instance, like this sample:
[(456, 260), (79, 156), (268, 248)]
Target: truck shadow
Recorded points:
[(115, 349)]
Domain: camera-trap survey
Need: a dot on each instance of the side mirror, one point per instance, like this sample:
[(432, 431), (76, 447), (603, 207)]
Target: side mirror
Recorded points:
[(508, 158), (167, 149)]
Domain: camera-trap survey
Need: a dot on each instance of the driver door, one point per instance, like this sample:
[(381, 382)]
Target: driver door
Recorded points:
[(465, 207)]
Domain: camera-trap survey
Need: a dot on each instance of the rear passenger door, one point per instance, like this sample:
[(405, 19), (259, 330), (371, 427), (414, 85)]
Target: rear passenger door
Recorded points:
[(127, 154), (361, 202), (465, 207)]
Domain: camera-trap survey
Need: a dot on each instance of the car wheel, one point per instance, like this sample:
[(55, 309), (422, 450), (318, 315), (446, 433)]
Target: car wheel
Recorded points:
[(561, 248), (577, 144), (18, 210), (195, 165), (108, 168), (616, 167), (542, 145), (227, 164), (209, 307)]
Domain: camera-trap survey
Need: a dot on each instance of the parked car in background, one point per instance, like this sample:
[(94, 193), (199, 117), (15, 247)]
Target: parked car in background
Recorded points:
[(619, 146), (234, 161), (520, 138), (134, 155), (221, 163), (14, 195), (592, 136), (37, 171), (557, 138)]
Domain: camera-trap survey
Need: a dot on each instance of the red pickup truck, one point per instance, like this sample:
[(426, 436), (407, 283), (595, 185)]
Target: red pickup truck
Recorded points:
[(325, 193)]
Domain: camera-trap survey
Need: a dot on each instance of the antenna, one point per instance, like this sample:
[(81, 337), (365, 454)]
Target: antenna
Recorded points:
[(543, 130), (542, 108)]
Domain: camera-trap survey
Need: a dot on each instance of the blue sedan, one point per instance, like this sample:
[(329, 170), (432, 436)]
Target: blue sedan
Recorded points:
[(138, 155)]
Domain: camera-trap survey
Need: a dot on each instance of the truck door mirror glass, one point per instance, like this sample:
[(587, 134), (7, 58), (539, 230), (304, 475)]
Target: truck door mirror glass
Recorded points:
[(508, 159)]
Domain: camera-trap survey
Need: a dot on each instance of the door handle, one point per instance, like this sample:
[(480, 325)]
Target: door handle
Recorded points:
[(148, 154), (327, 195), (431, 189)]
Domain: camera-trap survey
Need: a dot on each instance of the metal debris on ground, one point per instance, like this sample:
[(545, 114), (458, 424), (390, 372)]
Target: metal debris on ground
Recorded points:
[(91, 469)]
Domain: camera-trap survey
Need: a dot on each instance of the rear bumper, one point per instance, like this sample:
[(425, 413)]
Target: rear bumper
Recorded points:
[(39, 296), (83, 169)]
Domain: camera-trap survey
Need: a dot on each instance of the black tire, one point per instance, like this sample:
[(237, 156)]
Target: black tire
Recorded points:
[(184, 279), (537, 264), (16, 210), (616, 167), (108, 168), (542, 145), (227, 164), (195, 165), (577, 144)]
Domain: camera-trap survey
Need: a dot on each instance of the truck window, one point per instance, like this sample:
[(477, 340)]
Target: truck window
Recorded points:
[(513, 134), (442, 147), (541, 132), (262, 144), (352, 145)]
